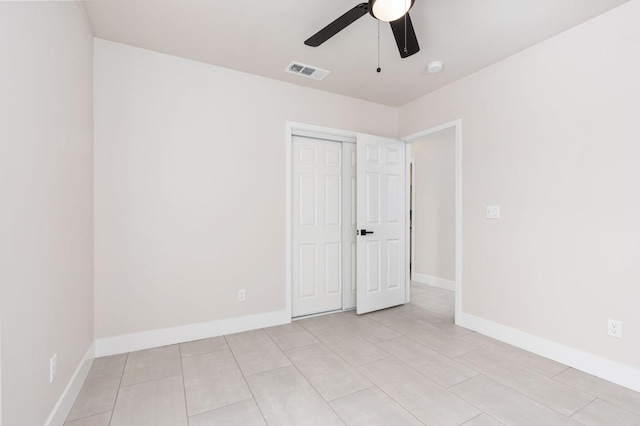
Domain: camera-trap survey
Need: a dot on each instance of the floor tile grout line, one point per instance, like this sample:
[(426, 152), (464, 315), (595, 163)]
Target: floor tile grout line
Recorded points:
[(432, 329), (184, 387), (419, 373), (149, 381), (113, 408), (491, 417), (342, 358), (373, 343), (255, 401), (515, 391), (203, 353), (607, 401), (588, 392), (389, 396), (313, 387), (265, 371), (485, 414), (559, 373), (452, 358), (436, 350), (435, 302), (86, 417), (521, 392), (473, 418), (225, 405), (322, 329), (464, 381), (296, 347), (617, 406), (425, 375), (585, 406), (338, 355), (494, 352), (396, 401), (244, 352), (356, 368), (471, 403)]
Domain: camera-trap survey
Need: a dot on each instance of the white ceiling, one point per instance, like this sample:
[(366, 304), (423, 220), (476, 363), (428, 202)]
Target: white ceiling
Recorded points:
[(263, 37)]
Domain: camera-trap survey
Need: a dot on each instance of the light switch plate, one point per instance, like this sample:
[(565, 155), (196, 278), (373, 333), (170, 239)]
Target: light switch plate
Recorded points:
[(493, 212)]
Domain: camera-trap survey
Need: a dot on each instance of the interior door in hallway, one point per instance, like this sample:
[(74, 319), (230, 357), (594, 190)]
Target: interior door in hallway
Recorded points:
[(381, 274), (317, 251)]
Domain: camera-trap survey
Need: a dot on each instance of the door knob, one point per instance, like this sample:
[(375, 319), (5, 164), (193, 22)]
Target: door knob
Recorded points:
[(365, 232)]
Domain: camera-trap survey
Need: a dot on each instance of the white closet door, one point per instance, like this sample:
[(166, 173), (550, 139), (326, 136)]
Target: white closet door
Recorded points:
[(381, 213), (349, 221), (317, 226)]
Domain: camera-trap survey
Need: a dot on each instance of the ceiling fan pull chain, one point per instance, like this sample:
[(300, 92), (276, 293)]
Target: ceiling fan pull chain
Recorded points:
[(378, 69), (405, 26)]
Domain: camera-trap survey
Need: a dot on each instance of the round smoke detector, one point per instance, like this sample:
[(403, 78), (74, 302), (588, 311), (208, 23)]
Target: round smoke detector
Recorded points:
[(434, 67)]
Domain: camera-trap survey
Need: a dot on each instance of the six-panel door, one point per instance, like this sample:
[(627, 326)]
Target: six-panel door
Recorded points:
[(317, 226), (381, 212)]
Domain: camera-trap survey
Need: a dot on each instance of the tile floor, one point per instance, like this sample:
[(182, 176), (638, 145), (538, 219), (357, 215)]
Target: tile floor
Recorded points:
[(408, 365)]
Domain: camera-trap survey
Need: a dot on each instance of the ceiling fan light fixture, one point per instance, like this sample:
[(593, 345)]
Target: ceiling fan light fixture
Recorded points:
[(389, 10)]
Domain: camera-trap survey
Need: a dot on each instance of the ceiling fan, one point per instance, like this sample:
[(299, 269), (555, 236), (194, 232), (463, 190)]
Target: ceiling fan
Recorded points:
[(396, 12)]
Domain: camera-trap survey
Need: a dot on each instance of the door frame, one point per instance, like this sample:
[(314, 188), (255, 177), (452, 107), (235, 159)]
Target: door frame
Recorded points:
[(457, 126), (301, 129), (412, 200)]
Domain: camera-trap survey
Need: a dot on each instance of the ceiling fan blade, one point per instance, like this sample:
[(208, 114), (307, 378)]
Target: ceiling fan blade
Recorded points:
[(398, 32), (338, 25)]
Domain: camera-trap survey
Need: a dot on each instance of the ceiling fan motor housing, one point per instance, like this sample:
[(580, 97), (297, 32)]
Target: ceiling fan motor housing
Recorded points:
[(389, 10), (399, 19)]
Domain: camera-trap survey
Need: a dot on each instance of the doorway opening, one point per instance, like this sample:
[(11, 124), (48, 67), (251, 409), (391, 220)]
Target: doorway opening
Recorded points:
[(434, 211)]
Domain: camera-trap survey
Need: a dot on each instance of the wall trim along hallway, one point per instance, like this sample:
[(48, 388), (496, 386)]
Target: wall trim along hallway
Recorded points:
[(434, 281)]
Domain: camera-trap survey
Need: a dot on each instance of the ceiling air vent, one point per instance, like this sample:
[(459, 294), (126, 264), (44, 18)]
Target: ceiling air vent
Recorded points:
[(307, 71)]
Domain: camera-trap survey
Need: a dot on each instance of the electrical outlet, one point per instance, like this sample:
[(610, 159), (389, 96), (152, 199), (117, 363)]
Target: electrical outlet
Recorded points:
[(615, 328), (242, 295), (53, 363)]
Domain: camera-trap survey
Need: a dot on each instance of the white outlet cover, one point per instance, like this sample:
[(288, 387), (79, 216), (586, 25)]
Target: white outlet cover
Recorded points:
[(493, 212), (615, 328), (53, 363)]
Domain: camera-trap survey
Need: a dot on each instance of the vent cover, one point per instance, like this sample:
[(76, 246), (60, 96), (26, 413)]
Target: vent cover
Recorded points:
[(306, 71)]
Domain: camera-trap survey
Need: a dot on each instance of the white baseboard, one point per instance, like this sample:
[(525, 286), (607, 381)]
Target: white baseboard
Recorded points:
[(65, 402), (169, 336), (612, 371), (434, 281), (152, 339)]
